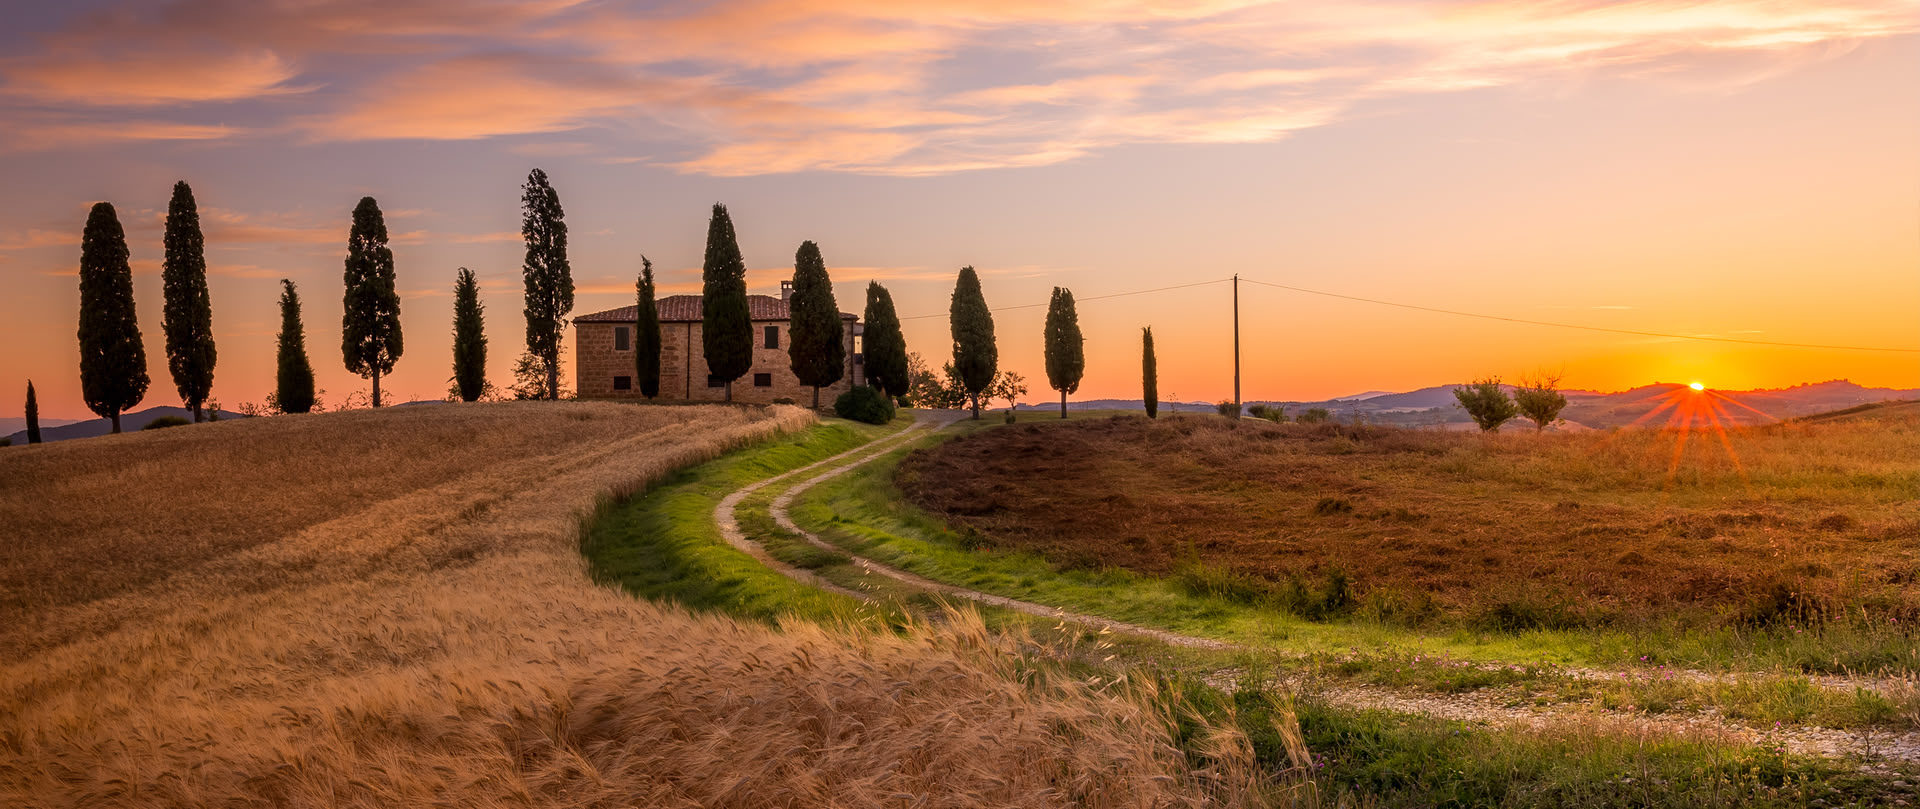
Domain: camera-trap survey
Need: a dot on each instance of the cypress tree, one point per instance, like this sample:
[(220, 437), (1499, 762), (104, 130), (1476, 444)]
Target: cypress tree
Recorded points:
[(646, 333), (189, 311), (1066, 354), (33, 415), (726, 324), (549, 278), (469, 338), (885, 347), (1149, 373), (370, 328), (975, 356), (113, 362), (293, 384), (816, 338)]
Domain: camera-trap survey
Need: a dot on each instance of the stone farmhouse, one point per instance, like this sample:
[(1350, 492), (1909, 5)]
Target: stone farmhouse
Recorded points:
[(603, 355)]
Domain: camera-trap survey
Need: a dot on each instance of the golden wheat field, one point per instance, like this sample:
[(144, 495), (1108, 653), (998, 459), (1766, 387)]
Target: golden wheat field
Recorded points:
[(386, 608)]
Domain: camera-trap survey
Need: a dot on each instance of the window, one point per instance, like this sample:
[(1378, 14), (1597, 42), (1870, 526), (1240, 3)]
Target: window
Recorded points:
[(773, 336), (715, 382), (621, 339), (623, 383), (763, 380)]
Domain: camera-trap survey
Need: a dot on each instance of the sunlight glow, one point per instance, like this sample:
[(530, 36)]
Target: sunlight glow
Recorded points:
[(1697, 386)]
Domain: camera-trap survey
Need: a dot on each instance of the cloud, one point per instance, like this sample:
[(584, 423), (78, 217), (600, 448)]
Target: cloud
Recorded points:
[(153, 78)]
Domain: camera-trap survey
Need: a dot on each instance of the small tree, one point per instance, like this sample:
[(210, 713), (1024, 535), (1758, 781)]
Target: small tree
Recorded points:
[(816, 338), (1487, 403), (646, 333), (939, 392), (976, 358), (884, 347), (1010, 386), (188, 320), (370, 326), (1065, 348), (1149, 373), (1540, 400), (113, 362), (726, 324), (293, 384), (33, 415), (548, 276), (469, 338)]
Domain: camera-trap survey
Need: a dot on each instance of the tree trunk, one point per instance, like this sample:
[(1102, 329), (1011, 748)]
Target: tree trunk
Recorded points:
[(115, 416), (729, 391), (376, 387), (1063, 404), (198, 416), (976, 407), (553, 377), (816, 397)]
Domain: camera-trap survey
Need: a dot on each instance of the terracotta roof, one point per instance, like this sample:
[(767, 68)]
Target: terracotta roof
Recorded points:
[(686, 309)]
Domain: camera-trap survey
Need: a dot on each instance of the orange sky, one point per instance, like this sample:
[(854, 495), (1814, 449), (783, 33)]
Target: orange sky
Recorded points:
[(1732, 169)]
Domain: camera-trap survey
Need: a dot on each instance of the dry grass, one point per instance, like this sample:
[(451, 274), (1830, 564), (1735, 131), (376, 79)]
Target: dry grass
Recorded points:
[(386, 609), (1515, 530)]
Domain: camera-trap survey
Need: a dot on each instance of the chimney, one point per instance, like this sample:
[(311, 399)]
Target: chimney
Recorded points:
[(786, 291)]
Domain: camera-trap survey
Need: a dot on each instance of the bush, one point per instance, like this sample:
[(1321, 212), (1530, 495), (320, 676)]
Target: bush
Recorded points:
[(1315, 415), (864, 404), (1277, 415), (6, 441), (1229, 409), (164, 422)]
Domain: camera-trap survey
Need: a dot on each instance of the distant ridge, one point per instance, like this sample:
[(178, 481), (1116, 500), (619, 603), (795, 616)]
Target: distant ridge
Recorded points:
[(129, 422)]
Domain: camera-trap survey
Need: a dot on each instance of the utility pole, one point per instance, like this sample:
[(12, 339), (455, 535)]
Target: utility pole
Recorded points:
[(1236, 342)]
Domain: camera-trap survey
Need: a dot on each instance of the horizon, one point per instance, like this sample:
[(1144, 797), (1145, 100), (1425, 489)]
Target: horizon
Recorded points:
[(1728, 170)]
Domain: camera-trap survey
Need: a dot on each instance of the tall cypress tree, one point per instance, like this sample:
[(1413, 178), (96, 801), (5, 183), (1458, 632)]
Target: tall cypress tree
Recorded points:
[(469, 338), (370, 328), (33, 415), (293, 384), (1149, 373), (1066, 354), (548, 275), (646, 332), (885, 348), (816, 338), (975, 356), (726, 324), (189, 311), (113, 362)]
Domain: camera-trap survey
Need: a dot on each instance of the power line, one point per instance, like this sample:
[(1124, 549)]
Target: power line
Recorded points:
[(1576, 326), (1095, 297)]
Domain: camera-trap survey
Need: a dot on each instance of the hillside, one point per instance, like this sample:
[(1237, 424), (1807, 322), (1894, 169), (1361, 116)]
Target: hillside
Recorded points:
[(388, 608), (52, 430)]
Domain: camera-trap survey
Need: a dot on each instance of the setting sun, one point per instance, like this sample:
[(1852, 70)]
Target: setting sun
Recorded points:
[(1697, 386)]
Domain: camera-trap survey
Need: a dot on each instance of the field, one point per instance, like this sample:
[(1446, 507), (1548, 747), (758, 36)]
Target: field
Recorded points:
[(388, 608), (1781, 526)]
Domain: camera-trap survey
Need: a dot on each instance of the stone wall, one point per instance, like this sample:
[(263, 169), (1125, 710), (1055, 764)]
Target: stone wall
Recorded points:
[(683, 366)]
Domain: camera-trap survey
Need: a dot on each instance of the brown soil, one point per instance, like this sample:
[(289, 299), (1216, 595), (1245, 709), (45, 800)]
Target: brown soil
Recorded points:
[(1525, 529)]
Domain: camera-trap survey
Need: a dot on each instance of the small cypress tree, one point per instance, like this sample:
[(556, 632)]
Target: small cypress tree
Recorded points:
[(548, 275), (370, 327), (976, 358), (1149, 373), (293, 384), (726, 324), (647, 342), (33, 415), (816, 338), (189, 311), (1065, 349), (469, 337), (883, 344), (113, 362)]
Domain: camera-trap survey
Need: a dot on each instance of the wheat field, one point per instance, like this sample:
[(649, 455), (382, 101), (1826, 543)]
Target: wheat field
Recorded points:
[(386, 608)]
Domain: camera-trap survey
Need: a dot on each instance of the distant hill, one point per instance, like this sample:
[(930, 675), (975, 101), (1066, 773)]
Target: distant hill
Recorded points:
[(19, 425), (129, 422)]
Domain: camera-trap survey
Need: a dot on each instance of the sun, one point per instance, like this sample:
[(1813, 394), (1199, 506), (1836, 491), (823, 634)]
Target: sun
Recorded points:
[(1697, 386)]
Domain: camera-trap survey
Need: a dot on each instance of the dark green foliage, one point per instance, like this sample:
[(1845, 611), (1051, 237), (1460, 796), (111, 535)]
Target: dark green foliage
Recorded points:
[(469, 338), (33, 415), (866, 404), (883, 344), (1487, 403), (816, 338), (726, 325), (1149, 373), (293, 383), (646, 333), (549, 278), (188, 318), (1229, 409), (370, 327), (1273, 413), (113, 362), (1540, 400), (1315, 415), (939, 392), (976, 358), (1066, 351), (164, 422)]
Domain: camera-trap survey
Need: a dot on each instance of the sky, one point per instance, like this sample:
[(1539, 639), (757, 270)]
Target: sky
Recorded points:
[(1743, 169)]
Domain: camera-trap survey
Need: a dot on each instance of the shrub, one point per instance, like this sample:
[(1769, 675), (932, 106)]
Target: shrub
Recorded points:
[(164, 422), (1229, 409), (1315, 415), (1487, 403), (863, 403), (1274, 414), (6, 441)]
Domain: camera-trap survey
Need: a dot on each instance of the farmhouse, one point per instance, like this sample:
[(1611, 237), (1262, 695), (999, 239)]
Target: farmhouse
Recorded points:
[(603, 347)]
